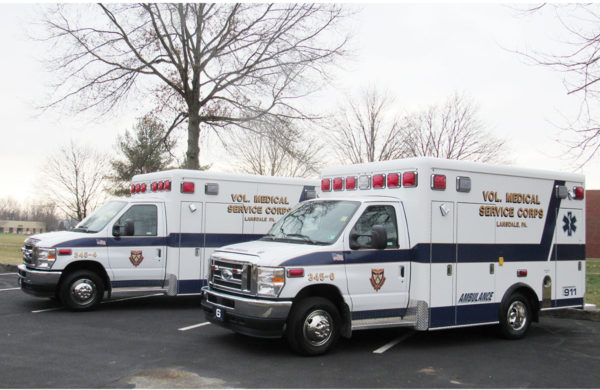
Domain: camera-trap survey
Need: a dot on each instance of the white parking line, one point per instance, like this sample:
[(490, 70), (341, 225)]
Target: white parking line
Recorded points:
[(10, 289), (45, 310), (194, 326), (127, 299), (8, 273), (113, 300), (393, 343)]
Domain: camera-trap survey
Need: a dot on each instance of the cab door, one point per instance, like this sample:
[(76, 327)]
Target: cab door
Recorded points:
[(138, 259), (378, 280)]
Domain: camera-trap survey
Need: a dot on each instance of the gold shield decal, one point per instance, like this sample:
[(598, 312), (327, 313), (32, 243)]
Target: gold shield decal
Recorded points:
[(136, 258), (377, 278)]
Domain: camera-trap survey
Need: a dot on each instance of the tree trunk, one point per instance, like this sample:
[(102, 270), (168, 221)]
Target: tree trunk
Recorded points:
[(192, 160)]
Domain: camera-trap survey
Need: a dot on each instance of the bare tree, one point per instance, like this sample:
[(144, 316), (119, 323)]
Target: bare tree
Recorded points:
[(577, 56), (367, 129), (75, 178), (451, 131), (208, 64), (276, 148)]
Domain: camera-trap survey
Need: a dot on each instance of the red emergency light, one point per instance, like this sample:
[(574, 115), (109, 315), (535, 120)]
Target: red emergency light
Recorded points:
[(187, 187), (133, 188), (378, 181), (137, 188), (338, 184), (579, 192), (143, 187), (160, 185), (326, 185), (393, 180), (64, 252), (438, 182), (351, 183), (167, 185), (154, 186), (295, 272), (409, 179)]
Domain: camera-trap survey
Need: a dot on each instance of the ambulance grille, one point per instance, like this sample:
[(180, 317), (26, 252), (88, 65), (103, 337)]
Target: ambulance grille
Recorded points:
[(231, 275), (29, 252)]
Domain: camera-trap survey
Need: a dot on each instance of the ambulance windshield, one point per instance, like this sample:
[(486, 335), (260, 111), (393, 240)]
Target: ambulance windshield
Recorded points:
[(318, 223), (99, 218)]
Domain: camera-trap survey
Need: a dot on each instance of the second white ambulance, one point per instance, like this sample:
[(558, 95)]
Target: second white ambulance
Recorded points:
[(424, 243), (160, 238)]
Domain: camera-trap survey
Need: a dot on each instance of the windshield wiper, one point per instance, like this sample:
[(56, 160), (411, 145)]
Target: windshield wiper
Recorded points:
[(81, 229), (304, 237)]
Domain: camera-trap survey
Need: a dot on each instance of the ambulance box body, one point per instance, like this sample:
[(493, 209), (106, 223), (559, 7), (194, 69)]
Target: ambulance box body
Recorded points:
[(160, 238), (424, 243)]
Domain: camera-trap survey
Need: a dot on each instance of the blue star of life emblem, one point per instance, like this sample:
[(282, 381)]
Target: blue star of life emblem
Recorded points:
[(569, 225)]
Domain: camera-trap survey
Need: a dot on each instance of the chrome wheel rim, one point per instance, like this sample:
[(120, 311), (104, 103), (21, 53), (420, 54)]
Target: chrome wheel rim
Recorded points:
[(517, 315), (83, 291), (317, 328)]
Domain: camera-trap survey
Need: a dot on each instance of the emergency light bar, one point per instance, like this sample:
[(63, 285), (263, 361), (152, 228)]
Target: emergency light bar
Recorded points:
[(154, 186)]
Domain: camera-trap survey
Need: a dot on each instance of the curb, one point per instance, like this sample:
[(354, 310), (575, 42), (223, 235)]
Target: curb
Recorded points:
[(574, 314), (8, 268)]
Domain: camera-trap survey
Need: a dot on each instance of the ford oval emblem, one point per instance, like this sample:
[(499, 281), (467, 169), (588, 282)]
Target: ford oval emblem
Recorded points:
[(227, 274)]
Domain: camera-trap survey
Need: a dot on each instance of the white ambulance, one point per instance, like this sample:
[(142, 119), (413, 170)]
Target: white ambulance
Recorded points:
[(157, 239), (424, 243)]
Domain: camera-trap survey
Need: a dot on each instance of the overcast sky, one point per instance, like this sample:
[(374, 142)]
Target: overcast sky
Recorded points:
[(421, 53)]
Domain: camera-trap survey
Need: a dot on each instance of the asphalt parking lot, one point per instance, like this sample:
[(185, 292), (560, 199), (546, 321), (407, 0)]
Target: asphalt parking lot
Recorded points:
[(158, 341)]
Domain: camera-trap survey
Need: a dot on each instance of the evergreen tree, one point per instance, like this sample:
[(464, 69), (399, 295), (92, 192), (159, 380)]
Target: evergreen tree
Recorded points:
[(147, 148)]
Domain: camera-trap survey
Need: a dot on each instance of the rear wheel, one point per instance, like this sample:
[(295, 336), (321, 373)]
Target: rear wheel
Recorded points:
[(81, 290), (515, 317), (313, 326)]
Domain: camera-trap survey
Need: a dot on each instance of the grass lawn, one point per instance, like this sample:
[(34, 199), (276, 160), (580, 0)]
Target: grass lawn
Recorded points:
[(592, 275), (10, 253), (10, 248)]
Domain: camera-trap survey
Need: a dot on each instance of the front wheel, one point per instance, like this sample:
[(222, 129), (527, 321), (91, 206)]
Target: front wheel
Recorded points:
[(515, 317), (81, 290), (313, 326)]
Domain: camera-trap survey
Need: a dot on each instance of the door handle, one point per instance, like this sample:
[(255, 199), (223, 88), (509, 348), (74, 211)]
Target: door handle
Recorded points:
[(158, 252), (449, 270)]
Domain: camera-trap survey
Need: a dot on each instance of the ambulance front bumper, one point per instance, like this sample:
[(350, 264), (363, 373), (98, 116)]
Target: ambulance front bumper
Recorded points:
[(249, 316), (38, 283)]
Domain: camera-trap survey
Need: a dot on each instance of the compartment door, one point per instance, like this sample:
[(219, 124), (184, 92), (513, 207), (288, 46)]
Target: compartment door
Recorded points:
[(191, 242), (443, 265)]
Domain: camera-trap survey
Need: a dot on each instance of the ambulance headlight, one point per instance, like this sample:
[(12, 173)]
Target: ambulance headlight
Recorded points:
[(44, 257), (270, 281)]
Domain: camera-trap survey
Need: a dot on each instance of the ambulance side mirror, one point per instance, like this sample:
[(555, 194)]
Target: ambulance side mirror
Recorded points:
[(378, 236), (129, 228)]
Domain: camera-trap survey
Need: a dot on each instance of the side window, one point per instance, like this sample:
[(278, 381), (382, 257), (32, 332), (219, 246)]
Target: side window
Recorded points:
[(377, 215), (144, 219)]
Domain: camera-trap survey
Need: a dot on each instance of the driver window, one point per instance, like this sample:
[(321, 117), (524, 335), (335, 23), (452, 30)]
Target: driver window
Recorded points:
[(144, 219), (377, 215)]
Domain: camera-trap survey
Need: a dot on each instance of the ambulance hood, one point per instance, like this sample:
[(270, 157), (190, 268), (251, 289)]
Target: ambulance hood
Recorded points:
[(48, 240), (268, 253)]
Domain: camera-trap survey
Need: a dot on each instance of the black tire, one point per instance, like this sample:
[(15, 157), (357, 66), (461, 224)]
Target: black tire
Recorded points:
[(515, 316), (81, 290), (313, 326)]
